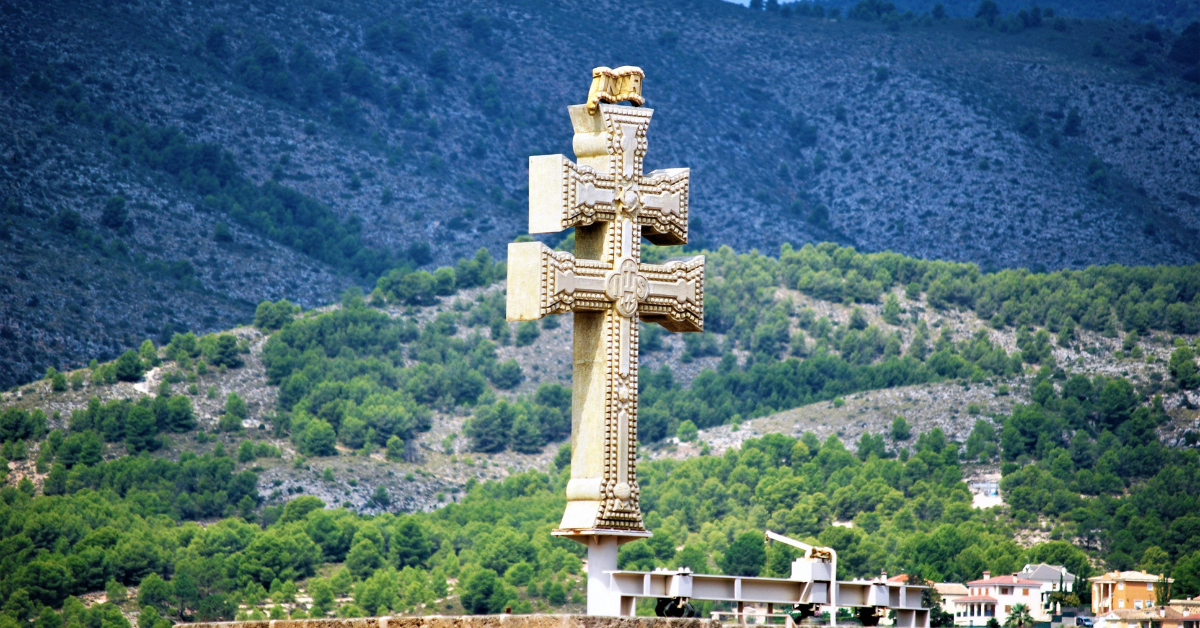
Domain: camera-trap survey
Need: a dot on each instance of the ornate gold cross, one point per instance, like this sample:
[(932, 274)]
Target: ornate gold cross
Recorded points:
[(612, 206)]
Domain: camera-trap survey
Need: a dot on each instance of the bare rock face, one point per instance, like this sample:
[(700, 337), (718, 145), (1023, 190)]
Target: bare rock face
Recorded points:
[(473, 621), (416, 119)]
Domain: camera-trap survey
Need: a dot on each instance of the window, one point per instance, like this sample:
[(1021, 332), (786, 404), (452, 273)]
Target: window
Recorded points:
[(1024, 591), (1121, 586), (1003, 590), (1149, 586), (1121, 603), (1137, 604), (1007, 608)]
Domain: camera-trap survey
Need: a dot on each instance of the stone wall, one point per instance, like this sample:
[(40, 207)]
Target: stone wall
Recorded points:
[(474, 621)]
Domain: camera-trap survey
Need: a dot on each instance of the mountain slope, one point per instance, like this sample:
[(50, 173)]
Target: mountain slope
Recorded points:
[(414, 121), (441, 459)]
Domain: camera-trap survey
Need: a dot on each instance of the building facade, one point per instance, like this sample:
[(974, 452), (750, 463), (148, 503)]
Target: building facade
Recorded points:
[(1125, 590), (1147, 617), (1053, 579), (995, 598)]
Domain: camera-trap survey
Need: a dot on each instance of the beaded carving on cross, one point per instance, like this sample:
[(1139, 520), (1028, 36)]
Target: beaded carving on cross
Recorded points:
[(613, 206)]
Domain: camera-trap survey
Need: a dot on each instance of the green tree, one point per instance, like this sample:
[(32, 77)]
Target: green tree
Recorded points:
[(141, 430), (222, 351), (298, 508), (395, 448), (1183, 368), (322, 596), (746, 556), (490, 428), (319, 439), (891, 309), (507, 374), (46, 579), (988, 11), (58, 381), (148, 353), (479, 593), (410, 546), (1187, 575), (177, 415), (526, 436), (56, 481), (900, 429), (273, 316), (563, 458), (686, 431), (1117, 401), (155, 592), (115, 592), (246, 452), (381, 497), (235, 413), (527, 332), (858, 319), (129, 366)]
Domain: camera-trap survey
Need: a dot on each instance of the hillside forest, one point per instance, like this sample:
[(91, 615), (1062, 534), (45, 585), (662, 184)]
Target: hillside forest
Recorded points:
[(139, 497)]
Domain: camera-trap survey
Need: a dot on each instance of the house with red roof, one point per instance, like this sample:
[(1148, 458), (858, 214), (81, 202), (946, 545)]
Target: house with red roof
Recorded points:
[(995, 597)]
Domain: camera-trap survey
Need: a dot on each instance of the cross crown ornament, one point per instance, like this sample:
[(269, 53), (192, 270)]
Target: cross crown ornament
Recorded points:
[(612, 206)]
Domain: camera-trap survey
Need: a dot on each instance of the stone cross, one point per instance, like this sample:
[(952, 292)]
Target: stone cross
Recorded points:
[(612, 206)]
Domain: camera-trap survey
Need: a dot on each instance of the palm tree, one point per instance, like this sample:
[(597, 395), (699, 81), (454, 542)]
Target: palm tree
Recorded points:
[(1018, 617)]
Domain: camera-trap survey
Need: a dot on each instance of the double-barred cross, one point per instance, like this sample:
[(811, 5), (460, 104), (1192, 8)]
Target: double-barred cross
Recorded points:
[(612, 206)]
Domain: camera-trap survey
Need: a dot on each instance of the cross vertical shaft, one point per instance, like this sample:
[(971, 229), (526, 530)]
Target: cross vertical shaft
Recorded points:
[(612, 206)]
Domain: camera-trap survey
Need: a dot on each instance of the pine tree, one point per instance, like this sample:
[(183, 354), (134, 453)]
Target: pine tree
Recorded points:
[(129, 366), (526, 437)]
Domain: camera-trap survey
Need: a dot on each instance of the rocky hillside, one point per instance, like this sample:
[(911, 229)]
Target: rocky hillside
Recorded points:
[(440, 462), (1169, 13), (409, 123)]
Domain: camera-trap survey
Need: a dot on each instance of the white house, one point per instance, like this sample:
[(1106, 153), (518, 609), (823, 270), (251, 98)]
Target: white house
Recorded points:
[(1052, 578), (995, 597)]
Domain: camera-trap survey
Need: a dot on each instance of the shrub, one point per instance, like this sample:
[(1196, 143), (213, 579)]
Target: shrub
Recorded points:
[(115, 213), (527, 332)]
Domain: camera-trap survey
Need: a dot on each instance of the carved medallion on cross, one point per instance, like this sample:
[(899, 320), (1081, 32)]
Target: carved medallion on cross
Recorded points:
[(612, 205)]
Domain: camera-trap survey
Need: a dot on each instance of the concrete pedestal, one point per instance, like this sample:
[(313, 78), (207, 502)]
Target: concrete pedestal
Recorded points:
[(602, 557)]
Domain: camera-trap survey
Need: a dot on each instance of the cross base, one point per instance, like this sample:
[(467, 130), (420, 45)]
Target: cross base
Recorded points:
[(583, 536), (602, 598)]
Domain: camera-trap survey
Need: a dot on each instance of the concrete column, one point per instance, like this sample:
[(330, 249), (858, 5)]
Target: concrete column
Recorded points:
[(602, 557)]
